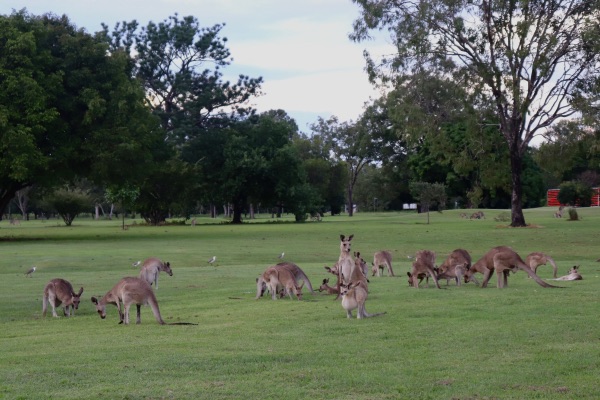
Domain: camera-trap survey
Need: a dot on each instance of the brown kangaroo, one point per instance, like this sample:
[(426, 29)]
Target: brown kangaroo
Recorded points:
[(57, 292), (354, 296), (382, 259), (502, 260), (128, 291), (327, 288), (424, 264), (455, 266), (345, 262), (572, 275), (151, 269), (269, 279), (535, 259)]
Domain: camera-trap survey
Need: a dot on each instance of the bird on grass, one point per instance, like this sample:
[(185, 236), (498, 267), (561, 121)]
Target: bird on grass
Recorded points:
[(281, 255), (212, 260), (30, 272), (135, 264)]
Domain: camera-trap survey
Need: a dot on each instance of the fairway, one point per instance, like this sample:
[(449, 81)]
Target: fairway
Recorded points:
[(466, 342)]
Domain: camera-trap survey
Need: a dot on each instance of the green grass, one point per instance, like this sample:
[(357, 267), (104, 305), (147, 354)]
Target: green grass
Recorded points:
[(521, 342)]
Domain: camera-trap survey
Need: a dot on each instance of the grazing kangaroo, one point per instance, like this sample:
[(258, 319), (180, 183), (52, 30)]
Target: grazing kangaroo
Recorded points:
[(455, 266), (502, 260), (57, 292), (354, 296), (128, 291), (424, 264), (327, 288), (382, 259), (278, 277), (420, 277), (151, 269), (572, 275), (535, 259), (477, 215)]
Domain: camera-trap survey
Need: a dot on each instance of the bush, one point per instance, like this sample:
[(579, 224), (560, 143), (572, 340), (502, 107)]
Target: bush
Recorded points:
[(69, 203), (573, 216)]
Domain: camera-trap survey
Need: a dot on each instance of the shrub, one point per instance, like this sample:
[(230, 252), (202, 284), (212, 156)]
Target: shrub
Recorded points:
[(573, 216)]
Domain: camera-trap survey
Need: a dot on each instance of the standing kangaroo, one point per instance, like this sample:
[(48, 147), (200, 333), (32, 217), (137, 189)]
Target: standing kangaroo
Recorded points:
[(535, 259), (57, 292), (129, 291), (354, 296), (382, 259), (151, 269), (502, 260)]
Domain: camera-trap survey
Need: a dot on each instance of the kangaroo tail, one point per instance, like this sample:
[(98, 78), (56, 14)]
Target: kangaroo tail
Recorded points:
[(537, 278)]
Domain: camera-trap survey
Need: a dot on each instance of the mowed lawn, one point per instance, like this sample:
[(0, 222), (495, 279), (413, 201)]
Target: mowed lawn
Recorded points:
[(520, 342)]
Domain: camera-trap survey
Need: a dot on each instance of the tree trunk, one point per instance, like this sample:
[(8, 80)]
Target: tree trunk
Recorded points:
[(516, 168), (350, 204), (237, 213)]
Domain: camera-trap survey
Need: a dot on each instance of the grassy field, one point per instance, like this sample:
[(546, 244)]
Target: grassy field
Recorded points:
[(521, 342)]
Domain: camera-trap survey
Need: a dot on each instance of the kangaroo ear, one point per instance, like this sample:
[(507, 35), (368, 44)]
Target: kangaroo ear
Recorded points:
[(94, 300), (342, 237), (80, 291), (350, 237), (168, 264)]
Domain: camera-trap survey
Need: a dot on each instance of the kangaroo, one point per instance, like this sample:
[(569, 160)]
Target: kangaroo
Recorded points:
[(360, 264), (503, 260), (572, 275), (327, 288), (535, 259), (345, 263), (128, 291), (424, 263), (455, 266), (263, 282), (382, 259), (57, 292), (420, 277), (354, 296), (151, 269), (477, 215)]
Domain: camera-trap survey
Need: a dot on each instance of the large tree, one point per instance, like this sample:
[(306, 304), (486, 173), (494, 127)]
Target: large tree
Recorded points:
[(528, 55), (350, 142), (180, 64), (67, 107)]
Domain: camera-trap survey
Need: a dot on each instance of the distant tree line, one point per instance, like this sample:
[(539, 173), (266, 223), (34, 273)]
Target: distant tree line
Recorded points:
[(141, 119)]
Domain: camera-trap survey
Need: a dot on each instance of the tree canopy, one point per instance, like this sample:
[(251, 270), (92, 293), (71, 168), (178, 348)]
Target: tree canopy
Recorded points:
[(67, 107), (529, 56)]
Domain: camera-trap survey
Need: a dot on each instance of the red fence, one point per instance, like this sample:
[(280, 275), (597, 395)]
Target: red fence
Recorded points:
[(552, 197)]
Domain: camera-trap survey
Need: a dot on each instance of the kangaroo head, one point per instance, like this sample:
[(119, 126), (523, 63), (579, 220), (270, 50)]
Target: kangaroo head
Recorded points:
[(166, 267), (76, 298), (345, 245), (100, 308)]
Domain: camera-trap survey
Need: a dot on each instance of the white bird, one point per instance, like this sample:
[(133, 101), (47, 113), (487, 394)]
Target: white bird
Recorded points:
[(212, 260), (281, 255), (31, 271), (135, 264)]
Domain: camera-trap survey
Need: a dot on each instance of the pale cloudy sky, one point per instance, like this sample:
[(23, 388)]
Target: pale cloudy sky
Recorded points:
[(300, 48)]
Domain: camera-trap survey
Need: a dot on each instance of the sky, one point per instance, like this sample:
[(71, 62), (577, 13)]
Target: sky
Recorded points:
[(300, 48)]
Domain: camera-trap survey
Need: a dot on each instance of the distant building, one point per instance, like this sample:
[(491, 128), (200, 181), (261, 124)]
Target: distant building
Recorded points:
[(552, 198)]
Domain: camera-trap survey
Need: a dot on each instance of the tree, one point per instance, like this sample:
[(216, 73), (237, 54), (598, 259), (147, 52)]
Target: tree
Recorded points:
[(68, 107), (530, 55), (179, 63), (69, 203), (350, 142), (125, 196), (428, 195)]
